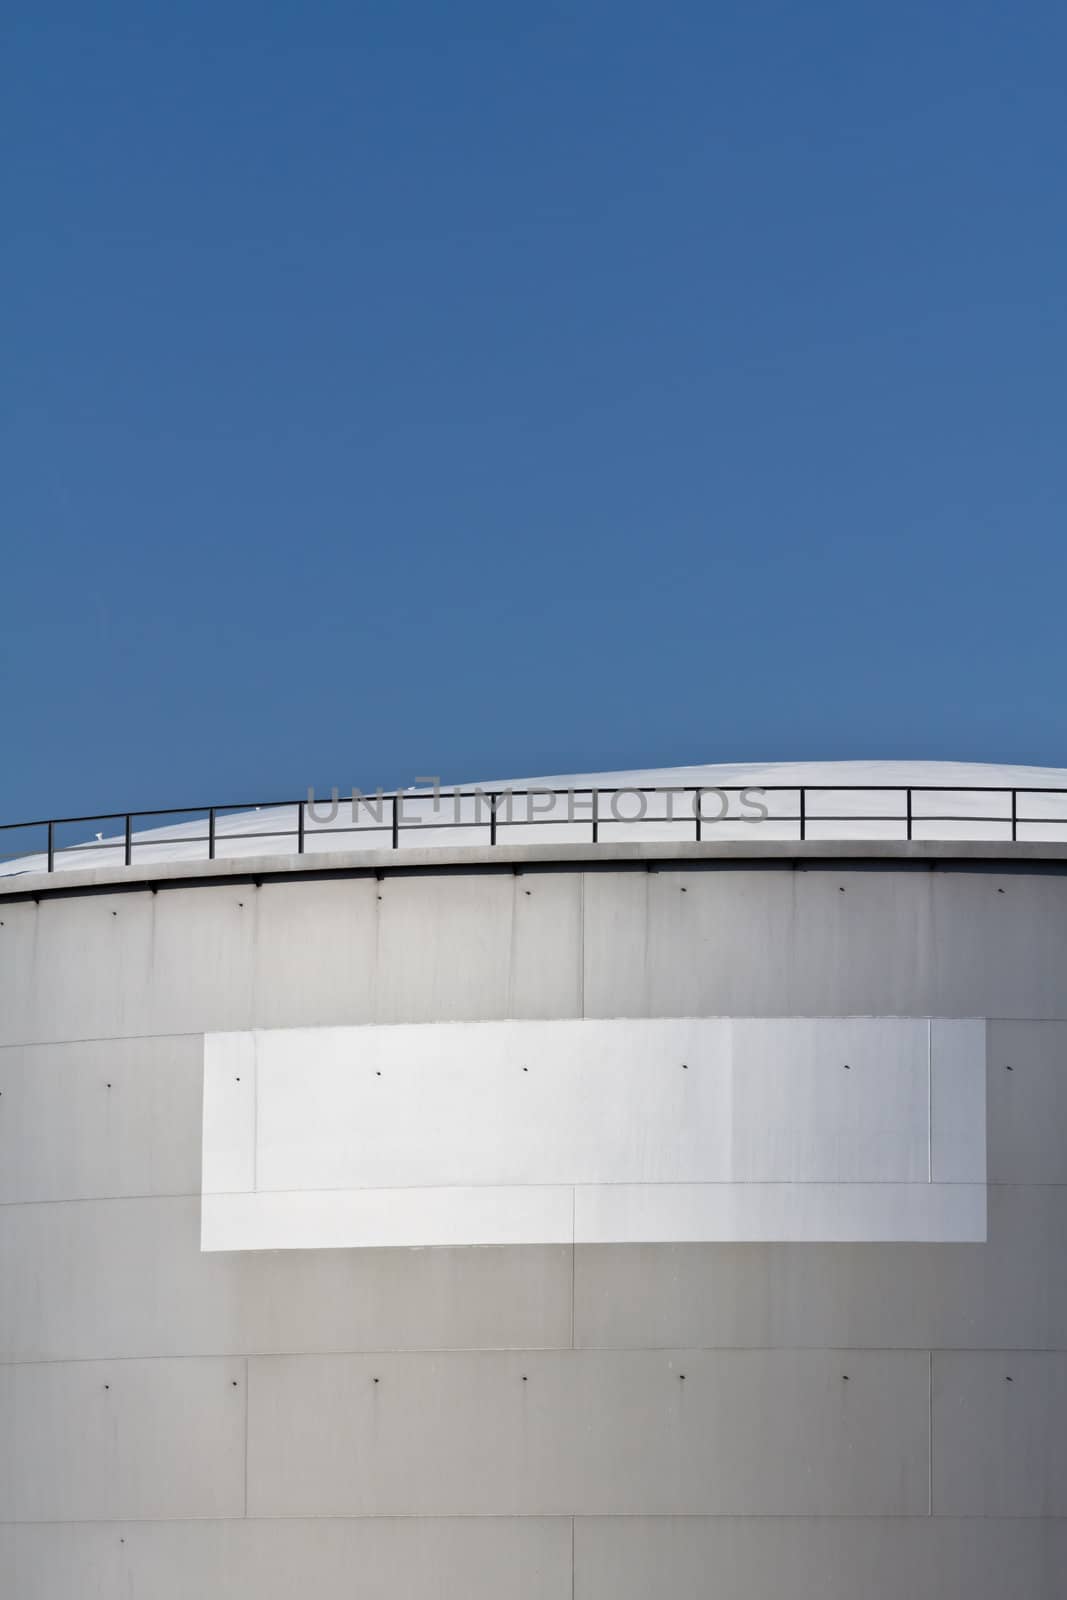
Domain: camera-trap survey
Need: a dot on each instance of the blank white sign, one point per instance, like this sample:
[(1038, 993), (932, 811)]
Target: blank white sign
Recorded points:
[(545, 1131)]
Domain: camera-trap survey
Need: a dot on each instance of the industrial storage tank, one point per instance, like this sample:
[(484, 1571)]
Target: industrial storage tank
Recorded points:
[(601, 1188)]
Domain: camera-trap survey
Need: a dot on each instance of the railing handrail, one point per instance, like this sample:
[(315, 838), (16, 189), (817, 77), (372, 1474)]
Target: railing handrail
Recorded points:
[(396, 825), (477, 790)]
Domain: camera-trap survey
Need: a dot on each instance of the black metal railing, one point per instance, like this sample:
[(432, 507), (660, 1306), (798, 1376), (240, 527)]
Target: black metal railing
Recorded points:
[(685, 809)]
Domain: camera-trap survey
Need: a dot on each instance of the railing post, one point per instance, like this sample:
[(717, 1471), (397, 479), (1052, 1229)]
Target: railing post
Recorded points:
[(128, 852), (596, 816), (492, 818), (211, 834), (909, 813), (1014, 816), (803, 815), (300, 827), (698, 795), (51, 847), (396, 820)]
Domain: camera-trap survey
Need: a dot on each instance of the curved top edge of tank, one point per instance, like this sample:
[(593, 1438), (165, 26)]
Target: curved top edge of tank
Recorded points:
[(979, 855), (844, 801)]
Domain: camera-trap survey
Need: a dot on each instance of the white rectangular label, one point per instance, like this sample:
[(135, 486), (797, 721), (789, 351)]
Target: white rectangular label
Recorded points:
[(526, 1131)]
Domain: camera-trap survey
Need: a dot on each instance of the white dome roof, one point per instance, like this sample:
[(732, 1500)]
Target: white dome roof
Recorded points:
[(842, 800)]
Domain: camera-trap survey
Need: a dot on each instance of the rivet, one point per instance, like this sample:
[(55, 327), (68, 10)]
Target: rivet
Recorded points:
[(683, 888), (524, 1377), (107, 1086), (376, 1380), (685, 1066), (236, 1080), (1007, 1068), (1008, 1378), (844, 1377), (681, 1377), (235, 1383), (526, 891), (107, 1386), (1000, 891)]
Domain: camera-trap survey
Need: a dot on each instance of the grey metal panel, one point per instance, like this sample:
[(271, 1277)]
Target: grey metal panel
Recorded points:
[(771, 943), (501, 1558), (831, 940), (768, 942), (444, 947), (1027, 1105), (718, 943), (316, 952), (791, 1432), (1000, 1434), (8, 1465), (1006, 1293), (203, 959), (805, 1558), (999, 940), (19, 923), (863, 940), (125, 964), (546, 945), (101, 1440), (105, 1118), (615, 944), (353, 950), (127, 1278), (79, 970)]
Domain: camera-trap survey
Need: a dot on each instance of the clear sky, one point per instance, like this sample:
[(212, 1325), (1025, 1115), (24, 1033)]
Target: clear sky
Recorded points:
[(494, 389)]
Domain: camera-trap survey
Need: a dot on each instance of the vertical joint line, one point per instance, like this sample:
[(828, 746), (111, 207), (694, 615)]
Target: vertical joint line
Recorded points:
[(572, 1558), (574, 1254), (930, 1433), (929, 1100), (246, 1436), (255, 1113)]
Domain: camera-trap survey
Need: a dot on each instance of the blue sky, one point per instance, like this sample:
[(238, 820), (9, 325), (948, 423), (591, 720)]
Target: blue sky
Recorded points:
[(491, 390)]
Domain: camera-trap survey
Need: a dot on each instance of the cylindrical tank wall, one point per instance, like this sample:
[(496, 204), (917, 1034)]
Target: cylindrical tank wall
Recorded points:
[(878, 1420)]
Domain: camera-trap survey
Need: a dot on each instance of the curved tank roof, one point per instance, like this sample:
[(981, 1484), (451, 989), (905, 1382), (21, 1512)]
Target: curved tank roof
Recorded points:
[(842, 800)]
